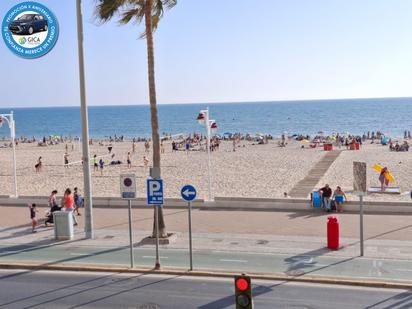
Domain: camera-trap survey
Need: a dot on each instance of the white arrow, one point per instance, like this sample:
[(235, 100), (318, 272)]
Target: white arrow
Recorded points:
[(188, 193)]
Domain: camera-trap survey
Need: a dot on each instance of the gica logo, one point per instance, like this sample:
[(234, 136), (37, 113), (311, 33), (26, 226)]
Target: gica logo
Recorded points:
[(30, 30)]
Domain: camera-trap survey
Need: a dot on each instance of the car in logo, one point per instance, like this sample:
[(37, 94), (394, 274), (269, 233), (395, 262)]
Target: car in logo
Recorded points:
[(28, 24)]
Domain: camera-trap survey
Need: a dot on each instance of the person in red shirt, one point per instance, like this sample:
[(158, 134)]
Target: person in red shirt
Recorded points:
[(69, 203)]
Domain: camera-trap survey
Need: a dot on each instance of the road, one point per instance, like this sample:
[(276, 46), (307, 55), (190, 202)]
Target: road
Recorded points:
[(311, 263), (46, 289)]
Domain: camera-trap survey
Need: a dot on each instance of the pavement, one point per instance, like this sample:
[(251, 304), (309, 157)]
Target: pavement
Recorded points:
[(284, 245)]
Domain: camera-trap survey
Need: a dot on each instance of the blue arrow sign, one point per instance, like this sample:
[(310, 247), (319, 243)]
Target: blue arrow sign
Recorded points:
[(188, 193)]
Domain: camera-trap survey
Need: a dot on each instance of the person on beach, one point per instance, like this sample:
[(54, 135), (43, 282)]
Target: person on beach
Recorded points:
[(95, 165), (78, 201), (109, 148), (339, 197), (145, 162), (326, 194), (134, 146), (69, 204), (147, 146), (66, 160), (129, 161), (33, 219), (162, 147), (38, 165), (101, 165), (382, 179)]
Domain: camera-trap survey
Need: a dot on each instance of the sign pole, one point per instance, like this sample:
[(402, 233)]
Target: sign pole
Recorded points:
[(190, 235), (157, 265), (361, 224), (131, 234), (13, 140)]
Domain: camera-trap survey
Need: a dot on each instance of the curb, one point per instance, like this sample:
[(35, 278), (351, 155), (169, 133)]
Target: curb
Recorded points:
[(219, 274)]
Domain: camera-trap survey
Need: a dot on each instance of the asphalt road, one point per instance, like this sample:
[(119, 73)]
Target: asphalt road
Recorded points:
[(46, 289), (309, 263)]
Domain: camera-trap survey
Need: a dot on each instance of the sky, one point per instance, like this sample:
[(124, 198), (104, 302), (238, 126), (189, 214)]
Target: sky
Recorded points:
[(223, 51)]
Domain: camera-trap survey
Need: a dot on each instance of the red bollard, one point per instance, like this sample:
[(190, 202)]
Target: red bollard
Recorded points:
[(333, 233)]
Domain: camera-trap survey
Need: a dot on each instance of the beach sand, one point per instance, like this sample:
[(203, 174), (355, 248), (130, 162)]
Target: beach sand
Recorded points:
[(251, 171)]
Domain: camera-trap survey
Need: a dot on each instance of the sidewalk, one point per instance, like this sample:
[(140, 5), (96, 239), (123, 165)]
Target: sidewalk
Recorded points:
[(278, 243)]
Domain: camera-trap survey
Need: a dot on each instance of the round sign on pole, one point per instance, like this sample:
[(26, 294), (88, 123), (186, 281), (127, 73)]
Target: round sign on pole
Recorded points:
[(188, 193)]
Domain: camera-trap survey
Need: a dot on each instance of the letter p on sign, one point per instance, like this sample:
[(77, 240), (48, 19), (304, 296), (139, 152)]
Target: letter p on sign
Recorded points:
[(154, 192)]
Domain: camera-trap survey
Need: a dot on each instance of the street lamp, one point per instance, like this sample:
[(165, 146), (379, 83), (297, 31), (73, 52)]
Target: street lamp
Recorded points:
[(211, 127), (10, 121), (88, 221)]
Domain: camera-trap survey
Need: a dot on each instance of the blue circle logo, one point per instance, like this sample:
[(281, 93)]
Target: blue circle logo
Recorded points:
[(30, 30)]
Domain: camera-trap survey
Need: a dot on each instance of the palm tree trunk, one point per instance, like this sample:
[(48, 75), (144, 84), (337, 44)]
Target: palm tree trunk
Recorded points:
[(153, 110)]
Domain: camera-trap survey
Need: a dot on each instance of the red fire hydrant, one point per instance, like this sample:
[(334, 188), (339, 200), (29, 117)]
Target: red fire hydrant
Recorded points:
[(333, 233)]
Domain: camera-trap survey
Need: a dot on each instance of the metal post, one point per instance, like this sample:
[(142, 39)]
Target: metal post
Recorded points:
[(190, 236), (361, 224), (88, 226), (157, 265), (130, 234), (209, 168), (13, 141)]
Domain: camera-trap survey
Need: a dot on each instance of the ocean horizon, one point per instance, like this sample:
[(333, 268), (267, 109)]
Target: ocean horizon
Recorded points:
[(356, 116)]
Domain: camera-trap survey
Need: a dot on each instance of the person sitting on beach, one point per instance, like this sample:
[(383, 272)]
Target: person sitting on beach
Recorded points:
[(404, 146), (397, 146), (326, 193), (339, 196)]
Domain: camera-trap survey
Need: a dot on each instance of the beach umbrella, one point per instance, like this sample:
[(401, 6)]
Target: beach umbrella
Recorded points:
[(305, 141)]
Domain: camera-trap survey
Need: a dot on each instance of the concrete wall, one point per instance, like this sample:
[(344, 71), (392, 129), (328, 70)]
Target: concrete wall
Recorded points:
[(228, 203)]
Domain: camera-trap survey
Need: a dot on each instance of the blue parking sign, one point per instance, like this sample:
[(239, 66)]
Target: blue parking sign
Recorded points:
[(154, 192)]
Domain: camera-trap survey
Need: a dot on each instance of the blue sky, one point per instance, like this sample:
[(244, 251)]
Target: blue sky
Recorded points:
[(224, 51)]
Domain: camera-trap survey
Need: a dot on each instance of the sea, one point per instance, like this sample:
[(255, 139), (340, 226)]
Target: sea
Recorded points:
[(392, 116)]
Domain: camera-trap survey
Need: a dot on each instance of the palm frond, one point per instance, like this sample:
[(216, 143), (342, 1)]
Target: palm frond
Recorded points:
[(131, 11)]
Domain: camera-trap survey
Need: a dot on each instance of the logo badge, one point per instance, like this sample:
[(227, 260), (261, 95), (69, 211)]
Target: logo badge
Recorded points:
[(30, 30)]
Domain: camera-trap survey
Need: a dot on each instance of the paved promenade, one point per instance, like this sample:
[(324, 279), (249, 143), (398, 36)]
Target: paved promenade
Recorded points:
[(278, 243)]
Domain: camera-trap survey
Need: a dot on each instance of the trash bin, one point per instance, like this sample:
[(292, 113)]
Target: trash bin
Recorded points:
[(316, 199), (63, 225)]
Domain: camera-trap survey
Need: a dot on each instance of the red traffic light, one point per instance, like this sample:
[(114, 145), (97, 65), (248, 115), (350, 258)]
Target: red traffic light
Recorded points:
[(242, 284)]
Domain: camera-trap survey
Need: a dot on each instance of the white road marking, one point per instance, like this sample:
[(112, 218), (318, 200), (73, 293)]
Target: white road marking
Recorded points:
[(81, 254), (153, 257), (238, 261), (403, 269)]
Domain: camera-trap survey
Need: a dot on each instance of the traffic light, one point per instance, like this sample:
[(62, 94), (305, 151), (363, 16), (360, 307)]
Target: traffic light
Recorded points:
[(243, 292)]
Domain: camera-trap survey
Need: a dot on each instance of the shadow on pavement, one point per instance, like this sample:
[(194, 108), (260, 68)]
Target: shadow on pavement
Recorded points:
[(230, 300), (399, 301)]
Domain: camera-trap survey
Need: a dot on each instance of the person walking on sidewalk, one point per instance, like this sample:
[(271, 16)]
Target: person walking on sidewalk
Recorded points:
[(33, 219), (78, 201), (326, 194), (69, 203)]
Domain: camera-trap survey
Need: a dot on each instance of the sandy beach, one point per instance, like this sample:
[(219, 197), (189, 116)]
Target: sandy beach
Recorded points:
[(251, 171)]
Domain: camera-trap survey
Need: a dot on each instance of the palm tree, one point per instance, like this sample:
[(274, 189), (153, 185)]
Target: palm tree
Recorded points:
[(151, 11)]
